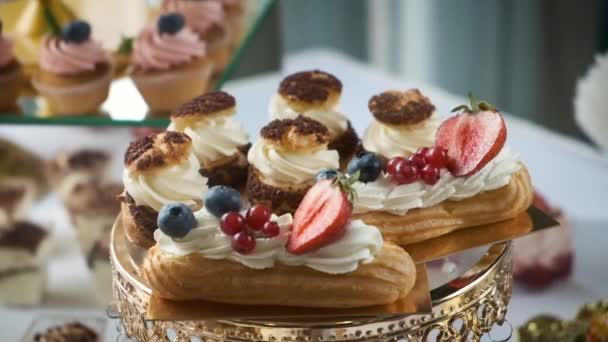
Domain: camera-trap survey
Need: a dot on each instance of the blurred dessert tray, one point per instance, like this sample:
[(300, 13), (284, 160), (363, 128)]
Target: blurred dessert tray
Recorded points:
[(469, 292), (124, 105)]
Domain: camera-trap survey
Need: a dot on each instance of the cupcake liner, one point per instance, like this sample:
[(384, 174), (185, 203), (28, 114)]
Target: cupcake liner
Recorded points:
[(165, 91), (85, 98), (10, 83)]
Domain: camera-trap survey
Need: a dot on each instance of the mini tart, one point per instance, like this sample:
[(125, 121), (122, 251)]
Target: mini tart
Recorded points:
[(401, 108), (310, 90), (289, 135), (148, 154), (229, 170)]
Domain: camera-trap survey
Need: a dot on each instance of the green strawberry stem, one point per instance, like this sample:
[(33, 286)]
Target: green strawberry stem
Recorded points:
[(126, 46), (346, 184), (51, 21), (476, 106)]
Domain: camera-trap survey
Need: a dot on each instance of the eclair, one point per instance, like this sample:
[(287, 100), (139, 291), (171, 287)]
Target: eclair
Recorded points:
[(404, 122), (359, 269), (316, 94), (159, 169), (436, 178), (285, 160), (219, 142)]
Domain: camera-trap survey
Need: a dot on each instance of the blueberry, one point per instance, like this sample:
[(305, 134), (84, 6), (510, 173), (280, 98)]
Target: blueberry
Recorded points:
[(170, 23), (78, 31), (176, 220), (368, 165), (221, 199), (326, 174)]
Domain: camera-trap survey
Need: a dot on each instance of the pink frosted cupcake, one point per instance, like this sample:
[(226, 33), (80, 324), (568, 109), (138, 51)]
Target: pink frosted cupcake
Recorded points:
[(170, 64), (75, 71), (11, 75), (236, 13), (209, 21)]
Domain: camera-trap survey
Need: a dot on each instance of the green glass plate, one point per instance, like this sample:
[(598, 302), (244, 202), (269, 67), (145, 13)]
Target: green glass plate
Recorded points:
[(124, 106)]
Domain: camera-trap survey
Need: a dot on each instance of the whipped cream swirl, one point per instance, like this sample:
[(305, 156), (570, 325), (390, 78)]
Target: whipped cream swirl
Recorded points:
[(176, 183), (215, 137), (331, 118), (384, 195), (155, 51), (290, 167), (359, 245), (394, 141), (61, 57)]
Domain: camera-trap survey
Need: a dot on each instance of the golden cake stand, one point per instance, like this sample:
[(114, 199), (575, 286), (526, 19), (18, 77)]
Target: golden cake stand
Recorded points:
[(464, 308)]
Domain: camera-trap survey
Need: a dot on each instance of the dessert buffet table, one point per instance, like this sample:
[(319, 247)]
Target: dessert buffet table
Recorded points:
[(570, 173)]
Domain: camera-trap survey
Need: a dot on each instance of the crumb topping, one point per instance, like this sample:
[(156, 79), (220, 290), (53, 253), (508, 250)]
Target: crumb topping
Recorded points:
[(309, 86), (206, 104), (158, 150), (303, 127), (401, 108)]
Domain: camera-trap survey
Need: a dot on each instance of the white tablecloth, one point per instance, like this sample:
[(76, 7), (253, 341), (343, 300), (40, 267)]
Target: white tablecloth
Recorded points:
[(570, 173)]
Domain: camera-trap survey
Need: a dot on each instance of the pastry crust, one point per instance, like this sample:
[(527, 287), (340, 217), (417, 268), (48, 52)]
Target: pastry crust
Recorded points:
[(157, 151), (301, 133), (139, 223), (279, 199), (390, 276), (401, 108), (308, 90), (426, 223), (346, 144), (230, 171), (214, 103)]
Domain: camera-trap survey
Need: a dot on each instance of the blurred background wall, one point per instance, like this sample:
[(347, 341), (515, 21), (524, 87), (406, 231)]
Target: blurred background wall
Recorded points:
[(525, 56)]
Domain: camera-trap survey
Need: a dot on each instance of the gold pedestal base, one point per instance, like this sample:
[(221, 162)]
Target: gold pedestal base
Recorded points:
[(463, 309)]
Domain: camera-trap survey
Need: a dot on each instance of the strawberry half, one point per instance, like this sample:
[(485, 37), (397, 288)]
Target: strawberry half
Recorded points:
[(472, 138), (321, 218)]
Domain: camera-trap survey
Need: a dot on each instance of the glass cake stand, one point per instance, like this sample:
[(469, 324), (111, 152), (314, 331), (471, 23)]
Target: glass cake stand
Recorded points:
[(470, 291)]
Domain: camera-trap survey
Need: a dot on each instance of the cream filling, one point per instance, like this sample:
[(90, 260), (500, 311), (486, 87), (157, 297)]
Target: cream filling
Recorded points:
[(215, 137), (176, 183), (359, 245), (283, 167), (385, 195), (395, 141), (332, 118)]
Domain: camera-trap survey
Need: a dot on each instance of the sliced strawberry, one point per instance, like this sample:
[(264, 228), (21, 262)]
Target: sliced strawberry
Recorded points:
[(472, 138), (320, 219)]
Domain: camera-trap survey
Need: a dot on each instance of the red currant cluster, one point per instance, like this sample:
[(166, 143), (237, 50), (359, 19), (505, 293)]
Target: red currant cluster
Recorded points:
[(245, 229), (425, 164)]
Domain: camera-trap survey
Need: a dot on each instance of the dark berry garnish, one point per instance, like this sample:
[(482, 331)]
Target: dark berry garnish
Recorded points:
[(170, 23), (405, 172), (78, 31), (326, 174), (436, 156), (271, 229), (429, 174), (368, 165), (391, 166), (176, 220), (221, 199), (243, 242), (232, 223), (257, 216), (418, 158)]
